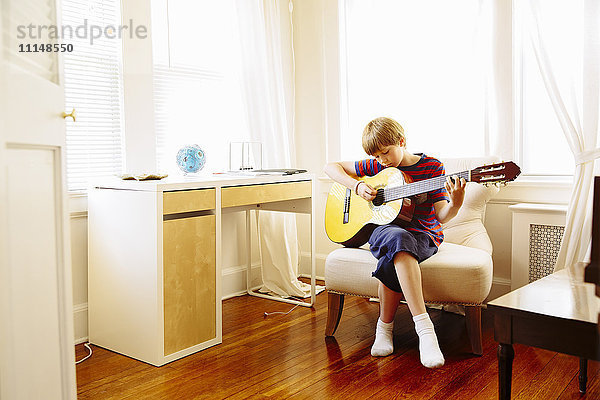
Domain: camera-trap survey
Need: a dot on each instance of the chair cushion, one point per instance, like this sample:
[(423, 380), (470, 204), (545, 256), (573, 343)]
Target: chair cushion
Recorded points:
[(456, 274), (466, 228)]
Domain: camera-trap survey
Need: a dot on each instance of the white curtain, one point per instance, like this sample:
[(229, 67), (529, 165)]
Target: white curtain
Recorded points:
[(268, 92), (580, 129), (494, 25)]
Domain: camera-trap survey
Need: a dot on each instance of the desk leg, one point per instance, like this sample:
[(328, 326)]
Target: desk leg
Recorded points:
[(506, 354), (248, 253), (582, 374), (313, 263)]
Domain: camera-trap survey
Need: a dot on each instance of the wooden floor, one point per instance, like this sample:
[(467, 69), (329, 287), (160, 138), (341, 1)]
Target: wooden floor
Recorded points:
[(287, 356)]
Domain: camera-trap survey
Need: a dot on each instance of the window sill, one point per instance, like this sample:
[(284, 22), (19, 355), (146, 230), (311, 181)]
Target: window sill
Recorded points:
[(539, 181), (78, 203), (77, 194)]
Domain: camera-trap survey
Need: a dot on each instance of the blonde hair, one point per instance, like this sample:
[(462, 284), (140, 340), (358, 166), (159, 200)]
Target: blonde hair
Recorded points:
[(382, 132)]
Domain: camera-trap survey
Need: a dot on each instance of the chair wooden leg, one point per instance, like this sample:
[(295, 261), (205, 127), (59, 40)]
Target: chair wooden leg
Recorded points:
[(335, 305), (473, 317)]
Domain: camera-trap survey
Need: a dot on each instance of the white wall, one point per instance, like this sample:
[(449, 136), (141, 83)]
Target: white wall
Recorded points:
[(317, 107)]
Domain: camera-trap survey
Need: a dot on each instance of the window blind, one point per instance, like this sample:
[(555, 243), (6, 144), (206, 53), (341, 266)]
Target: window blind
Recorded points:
[(196, 97), (94, 88)]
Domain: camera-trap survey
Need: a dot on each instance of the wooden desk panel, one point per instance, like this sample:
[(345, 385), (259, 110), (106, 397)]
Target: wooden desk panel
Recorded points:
[(189, 282), (255, 194), (188, 200)]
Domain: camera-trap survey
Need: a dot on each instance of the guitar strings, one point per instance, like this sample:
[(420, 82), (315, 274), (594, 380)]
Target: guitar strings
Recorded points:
[(411, 189)]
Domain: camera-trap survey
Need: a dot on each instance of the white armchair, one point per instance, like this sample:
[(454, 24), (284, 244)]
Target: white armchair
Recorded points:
[(459, 273)]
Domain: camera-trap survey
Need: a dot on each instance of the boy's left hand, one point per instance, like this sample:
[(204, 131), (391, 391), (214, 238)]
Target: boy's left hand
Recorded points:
[(456, 190)]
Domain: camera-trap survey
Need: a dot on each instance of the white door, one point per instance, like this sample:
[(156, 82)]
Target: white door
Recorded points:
[(36, 318)]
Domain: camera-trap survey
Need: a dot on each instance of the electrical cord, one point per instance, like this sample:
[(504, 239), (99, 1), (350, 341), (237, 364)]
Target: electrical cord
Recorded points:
[(87, 345), (281, 312)]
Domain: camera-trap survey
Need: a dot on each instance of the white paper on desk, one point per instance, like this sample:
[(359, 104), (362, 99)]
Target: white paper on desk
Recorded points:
[(253, 173)]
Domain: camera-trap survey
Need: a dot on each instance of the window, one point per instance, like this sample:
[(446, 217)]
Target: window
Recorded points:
[(197, 95), (543, 147), (93, 87), (417, 62), (431, 65)]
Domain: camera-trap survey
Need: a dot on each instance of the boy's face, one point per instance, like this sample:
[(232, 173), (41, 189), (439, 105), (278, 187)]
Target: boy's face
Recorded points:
[(390, 156)]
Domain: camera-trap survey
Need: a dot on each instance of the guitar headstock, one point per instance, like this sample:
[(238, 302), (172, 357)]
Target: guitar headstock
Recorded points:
[(500, 173)]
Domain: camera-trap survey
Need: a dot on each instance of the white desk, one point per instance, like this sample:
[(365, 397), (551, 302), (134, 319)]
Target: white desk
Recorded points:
[(155, 257)]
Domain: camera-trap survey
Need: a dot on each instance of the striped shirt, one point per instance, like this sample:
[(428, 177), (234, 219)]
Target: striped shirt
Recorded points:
[(424, 219)]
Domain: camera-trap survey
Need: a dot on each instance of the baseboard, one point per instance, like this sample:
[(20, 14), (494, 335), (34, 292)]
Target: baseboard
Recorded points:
[(304, 267), (500, 286), (233, 280), (80, 322), (317, 277)]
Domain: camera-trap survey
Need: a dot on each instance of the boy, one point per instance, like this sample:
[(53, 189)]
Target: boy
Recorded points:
[(400, 250)]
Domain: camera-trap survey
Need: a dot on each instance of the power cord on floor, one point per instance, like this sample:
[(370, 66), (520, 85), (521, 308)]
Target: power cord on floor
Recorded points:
[(87, 345), (281, 312)]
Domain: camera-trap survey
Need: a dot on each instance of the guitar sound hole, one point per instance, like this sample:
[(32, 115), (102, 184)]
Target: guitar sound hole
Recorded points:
[(378, 200)]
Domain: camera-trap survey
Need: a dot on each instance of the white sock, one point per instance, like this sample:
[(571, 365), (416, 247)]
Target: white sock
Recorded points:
[(384, 343), (431, 355)]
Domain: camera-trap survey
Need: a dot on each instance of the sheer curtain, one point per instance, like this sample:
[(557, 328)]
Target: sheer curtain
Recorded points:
[(572, 84), (267, 86)]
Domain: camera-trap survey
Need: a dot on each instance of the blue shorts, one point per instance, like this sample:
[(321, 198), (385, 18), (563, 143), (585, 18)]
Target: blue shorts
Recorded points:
[(387, 240)]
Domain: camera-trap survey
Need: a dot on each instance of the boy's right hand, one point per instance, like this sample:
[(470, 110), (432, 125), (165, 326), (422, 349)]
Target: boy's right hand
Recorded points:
[(365, 191)]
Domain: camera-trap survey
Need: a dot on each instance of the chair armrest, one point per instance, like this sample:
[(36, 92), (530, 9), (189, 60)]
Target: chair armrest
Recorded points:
[(466, 228)]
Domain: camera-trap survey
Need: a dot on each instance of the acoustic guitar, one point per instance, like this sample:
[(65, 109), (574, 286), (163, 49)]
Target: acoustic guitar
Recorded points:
[(350, 219)]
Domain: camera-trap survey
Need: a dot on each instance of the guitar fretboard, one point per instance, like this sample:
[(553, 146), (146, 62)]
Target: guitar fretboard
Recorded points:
[(414, 188)]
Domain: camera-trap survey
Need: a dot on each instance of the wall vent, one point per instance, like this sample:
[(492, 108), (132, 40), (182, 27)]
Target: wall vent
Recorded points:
[(544, 244)]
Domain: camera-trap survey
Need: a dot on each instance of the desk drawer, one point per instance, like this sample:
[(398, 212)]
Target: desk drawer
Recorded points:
[(266, 193), (188, 200)]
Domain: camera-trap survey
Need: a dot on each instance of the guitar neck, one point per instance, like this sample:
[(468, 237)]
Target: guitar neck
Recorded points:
[(424, 186)]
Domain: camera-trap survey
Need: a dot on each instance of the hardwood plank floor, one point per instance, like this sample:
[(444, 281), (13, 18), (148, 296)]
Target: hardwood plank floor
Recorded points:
[(288, 356)]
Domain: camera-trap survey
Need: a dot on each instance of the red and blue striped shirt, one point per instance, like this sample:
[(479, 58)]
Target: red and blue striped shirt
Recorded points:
[(424, 219)]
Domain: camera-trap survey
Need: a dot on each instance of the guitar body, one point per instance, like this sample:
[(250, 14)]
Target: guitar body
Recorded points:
[(350, 219)]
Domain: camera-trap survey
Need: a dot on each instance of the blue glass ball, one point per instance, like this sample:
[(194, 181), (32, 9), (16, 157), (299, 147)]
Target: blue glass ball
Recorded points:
[(191, 158)]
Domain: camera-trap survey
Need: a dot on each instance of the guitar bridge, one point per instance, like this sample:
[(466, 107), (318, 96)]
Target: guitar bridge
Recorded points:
[(347, 206)]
